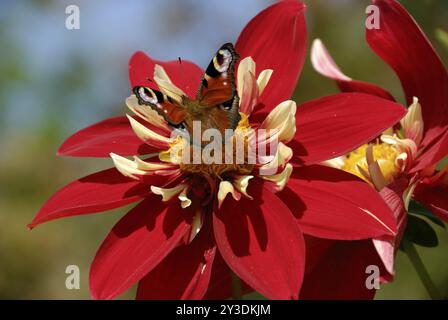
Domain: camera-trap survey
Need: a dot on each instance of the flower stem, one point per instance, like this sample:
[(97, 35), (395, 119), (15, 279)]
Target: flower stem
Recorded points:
[(423, 274), (236, 287)]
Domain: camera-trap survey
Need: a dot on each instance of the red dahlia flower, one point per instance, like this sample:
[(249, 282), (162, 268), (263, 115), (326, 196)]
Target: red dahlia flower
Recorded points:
[(402, 163), (215, 218)]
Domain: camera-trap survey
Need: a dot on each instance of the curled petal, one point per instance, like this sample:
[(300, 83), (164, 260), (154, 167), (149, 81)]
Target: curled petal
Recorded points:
[(149, 136), (387, 246), (278, 180), (263, 79), (225, 187), (148, 114), (165, 85), (375, 173), (247, 65), (168, 193), (138, 168), (249, 94), (241, 183), (412, 123), (325, 65), (282, 156), (282, 118)]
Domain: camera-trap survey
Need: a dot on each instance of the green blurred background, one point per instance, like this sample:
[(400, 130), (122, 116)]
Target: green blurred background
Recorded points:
[(54, 81)]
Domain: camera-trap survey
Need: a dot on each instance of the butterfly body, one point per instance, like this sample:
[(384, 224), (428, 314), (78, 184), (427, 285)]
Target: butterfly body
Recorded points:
[(216, 105)]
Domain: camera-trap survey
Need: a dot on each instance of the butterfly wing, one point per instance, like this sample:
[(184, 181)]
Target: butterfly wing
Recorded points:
[(218, 88), (168, 108)]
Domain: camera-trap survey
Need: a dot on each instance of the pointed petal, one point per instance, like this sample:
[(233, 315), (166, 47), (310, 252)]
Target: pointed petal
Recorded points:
[(100, 139), (169, 281), (136, 245), (402, 44), (325, 65), (333, 204), (276, 39), (261, 243), (186, 75), (97, 192), (335, 125)]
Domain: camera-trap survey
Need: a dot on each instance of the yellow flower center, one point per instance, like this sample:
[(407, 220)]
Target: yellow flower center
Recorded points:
[(384, 154), (180, 150)]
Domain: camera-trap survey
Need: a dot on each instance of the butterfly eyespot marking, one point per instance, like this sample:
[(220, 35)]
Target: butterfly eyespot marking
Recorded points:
[(222, 60), (146, 95)]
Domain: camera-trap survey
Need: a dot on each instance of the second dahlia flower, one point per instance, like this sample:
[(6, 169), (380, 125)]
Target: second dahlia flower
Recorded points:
[(401, 163)]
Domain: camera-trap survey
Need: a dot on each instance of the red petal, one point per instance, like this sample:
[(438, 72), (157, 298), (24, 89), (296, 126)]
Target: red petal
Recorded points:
[(387, 246), (97, 192), (432, 154), (402, 44), (276, 39), (185, 75), (335, 125), (435, 199), (100, 139), (325, 65), (137, 244), (261, 243), (190, 281), (341, 271), (334, 204), (220, 285)]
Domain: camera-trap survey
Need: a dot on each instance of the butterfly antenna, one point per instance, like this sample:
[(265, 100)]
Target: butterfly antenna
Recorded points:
[(182, 74)]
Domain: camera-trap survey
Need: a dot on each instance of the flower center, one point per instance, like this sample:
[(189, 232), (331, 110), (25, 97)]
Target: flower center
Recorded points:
[(232, 156), (385, 155)]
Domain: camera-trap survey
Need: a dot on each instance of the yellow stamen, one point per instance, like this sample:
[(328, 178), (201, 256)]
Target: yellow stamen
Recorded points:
[(179, 147), (384, 154)]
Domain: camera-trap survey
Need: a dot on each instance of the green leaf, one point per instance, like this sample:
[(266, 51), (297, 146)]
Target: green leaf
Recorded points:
[(420, 232), (419, 210)]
